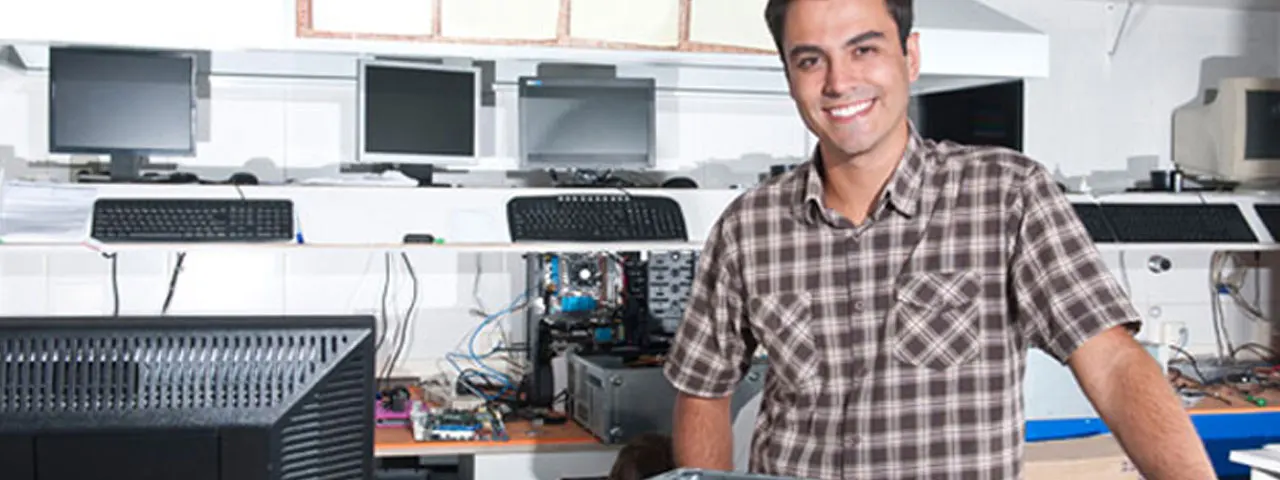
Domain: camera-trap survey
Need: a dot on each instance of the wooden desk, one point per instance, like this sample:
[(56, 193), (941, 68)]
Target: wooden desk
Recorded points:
[(398, 442), (552, 451)]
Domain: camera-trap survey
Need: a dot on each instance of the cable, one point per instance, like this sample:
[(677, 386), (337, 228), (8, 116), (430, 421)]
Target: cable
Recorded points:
[(402, 333), (386, 289), (1219, 329), (115, 282), (173, 282), (1195, 366), (486, 372)]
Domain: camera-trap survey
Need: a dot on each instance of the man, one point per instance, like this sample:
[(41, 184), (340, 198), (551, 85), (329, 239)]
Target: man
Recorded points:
[(896, 284)]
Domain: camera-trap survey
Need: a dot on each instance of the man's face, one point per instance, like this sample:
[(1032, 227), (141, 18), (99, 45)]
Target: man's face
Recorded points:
[(849, 75)]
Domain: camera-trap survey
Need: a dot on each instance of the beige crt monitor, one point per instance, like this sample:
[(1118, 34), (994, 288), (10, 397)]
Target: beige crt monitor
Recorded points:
[(1234, 136)]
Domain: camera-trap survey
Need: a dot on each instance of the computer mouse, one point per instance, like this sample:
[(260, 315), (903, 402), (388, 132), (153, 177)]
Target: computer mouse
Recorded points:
[(679, 182), (243, 178)]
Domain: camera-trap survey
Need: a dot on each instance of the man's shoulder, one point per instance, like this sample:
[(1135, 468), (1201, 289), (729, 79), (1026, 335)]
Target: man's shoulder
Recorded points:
[(987, 161), (776, 195)]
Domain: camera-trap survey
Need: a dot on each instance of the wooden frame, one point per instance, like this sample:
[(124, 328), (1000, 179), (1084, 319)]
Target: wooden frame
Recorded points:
[(564, 38)]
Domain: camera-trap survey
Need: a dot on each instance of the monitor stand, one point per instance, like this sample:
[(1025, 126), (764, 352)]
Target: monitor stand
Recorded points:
[(424, 173), (126, 167)]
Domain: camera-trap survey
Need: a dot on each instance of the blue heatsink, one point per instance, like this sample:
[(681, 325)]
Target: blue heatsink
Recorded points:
[(577, 304)]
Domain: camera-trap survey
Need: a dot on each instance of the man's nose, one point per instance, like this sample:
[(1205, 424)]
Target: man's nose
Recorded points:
[(842, 76)]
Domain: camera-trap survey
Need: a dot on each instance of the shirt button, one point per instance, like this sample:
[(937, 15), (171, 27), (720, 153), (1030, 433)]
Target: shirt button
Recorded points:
[(858, 306)]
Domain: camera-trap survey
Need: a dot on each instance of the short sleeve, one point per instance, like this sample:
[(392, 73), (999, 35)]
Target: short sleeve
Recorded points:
[(712, 347), (1063, 291)]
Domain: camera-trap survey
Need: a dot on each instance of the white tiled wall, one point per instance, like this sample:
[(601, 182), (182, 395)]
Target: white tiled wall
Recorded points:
[(1096, 111)]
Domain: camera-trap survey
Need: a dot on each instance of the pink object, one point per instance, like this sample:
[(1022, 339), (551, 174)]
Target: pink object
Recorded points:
[(384, 418)]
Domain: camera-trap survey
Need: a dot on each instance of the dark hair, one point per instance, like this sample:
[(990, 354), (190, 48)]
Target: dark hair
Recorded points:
[(775, 15), (644, 456)]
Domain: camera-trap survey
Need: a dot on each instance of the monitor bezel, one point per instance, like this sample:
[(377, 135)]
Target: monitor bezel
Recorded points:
[(193, 109), (363, 155), (640, 83)]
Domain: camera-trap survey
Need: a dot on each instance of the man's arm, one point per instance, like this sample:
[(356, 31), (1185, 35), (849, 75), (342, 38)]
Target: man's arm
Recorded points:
[(1070, 306), (711, 350), (703, 434), (1131, 394)]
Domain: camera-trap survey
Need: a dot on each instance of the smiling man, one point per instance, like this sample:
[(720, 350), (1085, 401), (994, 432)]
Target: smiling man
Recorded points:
[(896, 284)]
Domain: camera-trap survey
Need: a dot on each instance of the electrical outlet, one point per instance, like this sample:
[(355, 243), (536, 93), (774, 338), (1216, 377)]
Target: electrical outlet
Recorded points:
[(1171, 333)]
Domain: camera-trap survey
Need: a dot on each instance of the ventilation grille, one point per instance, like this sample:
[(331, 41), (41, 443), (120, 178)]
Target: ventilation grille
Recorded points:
[(328, 437), (159, 371)]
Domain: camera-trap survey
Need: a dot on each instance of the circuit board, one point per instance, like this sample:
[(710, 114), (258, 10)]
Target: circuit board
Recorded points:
[(450, 424), (670, 283)]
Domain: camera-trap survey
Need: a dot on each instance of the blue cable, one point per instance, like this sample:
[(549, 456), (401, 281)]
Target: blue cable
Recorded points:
[(491, 374)]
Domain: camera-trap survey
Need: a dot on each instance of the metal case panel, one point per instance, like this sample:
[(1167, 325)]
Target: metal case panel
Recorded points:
[(615, 402)]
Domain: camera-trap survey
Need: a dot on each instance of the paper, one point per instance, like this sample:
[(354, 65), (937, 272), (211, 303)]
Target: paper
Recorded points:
[(45, 211), (499, 19), (644, 22), (388, 17), (736, 23)]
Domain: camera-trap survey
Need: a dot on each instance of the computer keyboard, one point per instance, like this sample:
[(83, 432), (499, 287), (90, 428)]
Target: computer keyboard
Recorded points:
[(192, 220), (595, 218)]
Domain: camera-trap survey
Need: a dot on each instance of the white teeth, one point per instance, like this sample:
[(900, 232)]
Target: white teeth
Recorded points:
[(851, 110)]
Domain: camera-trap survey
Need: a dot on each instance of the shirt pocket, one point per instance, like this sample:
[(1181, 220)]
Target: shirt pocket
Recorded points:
[(936, 319), (785, 331)]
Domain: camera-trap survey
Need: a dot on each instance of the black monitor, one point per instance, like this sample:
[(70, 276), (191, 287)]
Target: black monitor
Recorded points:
[(418, 113), (587, 123), (129, 104), (191, 398)]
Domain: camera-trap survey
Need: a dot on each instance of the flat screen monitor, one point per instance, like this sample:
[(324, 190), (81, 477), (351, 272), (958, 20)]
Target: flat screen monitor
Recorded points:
[(587, 123), (129, 104), (192, 398), (418, 113)]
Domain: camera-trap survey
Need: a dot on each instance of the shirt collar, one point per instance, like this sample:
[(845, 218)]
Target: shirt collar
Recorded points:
[(902, 191)]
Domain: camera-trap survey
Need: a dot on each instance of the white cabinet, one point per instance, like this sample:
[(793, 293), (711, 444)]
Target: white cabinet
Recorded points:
[(221, 24)]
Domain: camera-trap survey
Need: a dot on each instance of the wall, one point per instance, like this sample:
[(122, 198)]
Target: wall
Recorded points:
[(1098, 110), (1094, 113)]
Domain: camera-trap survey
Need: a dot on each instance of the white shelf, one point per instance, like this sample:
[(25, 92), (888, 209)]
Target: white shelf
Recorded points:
[(1271, 5), (285, 247), (1189, 247)]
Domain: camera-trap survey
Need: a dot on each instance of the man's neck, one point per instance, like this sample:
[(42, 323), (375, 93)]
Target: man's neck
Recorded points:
[(853, 183)]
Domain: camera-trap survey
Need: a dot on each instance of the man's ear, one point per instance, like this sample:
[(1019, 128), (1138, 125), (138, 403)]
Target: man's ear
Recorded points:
[(913, 56)]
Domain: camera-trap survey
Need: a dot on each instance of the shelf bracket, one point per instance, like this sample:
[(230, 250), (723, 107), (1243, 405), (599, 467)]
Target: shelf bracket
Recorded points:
[(1124, 22)]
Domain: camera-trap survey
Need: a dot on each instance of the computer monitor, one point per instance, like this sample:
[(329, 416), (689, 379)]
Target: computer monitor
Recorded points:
[(587, 123), (129, 104), (418, 113), (1234, 135), (192, 398)]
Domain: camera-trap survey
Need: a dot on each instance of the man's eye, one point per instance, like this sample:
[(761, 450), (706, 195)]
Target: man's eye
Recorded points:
[(864, 50), (806, 62)]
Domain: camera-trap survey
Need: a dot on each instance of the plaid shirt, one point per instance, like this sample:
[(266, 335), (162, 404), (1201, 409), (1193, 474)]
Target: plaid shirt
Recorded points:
[(896, 347)]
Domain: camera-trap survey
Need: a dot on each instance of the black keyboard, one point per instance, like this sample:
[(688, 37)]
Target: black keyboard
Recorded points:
[(595, 218), (192, 220)]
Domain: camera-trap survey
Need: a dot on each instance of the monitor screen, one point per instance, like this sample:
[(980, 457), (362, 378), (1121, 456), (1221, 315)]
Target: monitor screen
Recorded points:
[(121, 101), (1262, 123), (418, 113), (587, 123)]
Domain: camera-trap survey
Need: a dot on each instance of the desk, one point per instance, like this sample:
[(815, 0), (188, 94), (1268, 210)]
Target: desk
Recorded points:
[(550, 453)]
